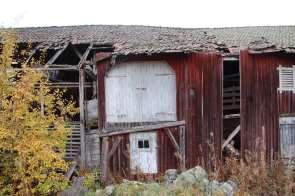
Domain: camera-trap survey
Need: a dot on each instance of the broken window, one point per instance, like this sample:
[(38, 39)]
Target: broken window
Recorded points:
[(286, 78), (287, 137)]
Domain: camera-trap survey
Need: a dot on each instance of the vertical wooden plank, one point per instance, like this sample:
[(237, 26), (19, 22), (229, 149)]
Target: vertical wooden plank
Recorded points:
[(182, 147), (104, 160), (186, 114), (82, 116)]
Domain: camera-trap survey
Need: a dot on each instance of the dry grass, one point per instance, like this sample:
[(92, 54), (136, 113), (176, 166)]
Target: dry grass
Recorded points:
[(254, 174)]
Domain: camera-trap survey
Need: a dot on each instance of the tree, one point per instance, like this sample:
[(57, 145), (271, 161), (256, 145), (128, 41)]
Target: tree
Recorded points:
[(32, 143)]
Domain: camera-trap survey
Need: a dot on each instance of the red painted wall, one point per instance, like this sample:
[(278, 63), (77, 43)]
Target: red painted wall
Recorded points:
[(199, 103), (261, 103)]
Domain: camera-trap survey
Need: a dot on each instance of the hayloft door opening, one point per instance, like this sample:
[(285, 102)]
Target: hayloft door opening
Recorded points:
[(143, 152), (140, 92), (231, 105)]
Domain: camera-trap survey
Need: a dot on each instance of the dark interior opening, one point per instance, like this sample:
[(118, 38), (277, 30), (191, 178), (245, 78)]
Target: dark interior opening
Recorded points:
[(231, 101), (67, 57)]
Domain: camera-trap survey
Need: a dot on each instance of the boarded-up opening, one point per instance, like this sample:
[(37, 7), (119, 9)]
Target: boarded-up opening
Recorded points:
[(287, 139)]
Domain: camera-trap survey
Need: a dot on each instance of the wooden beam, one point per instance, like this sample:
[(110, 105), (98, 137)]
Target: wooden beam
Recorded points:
[(230, 116), (66, 85), (56, 55), (182, 147), (50, 68), (145, 128), (172, 139), (71, 171), (104, 160), (32, 54), (231, 136), (85, 55), (114, 147), (82, 116)]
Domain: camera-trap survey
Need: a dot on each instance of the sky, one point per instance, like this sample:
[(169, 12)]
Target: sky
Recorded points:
[(169, 13)]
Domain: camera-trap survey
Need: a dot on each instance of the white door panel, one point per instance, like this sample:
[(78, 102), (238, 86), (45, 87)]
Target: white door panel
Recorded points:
[(141, 92), (143, 152)]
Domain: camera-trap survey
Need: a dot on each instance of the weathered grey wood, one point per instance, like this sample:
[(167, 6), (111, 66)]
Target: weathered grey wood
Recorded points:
[(182, 147), (56, 55), (82, 116), (49, 68), (31, 55), (85, 55), (119, 159), (104, 160), (230, 116), (114, 147), (71, 171), (90, 74), (172, 139), (65, 85), (143, 128), (153, 84), (231, 136)]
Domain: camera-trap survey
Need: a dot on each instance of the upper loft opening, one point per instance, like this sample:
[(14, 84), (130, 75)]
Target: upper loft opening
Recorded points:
[(231, 104), (231, 86)]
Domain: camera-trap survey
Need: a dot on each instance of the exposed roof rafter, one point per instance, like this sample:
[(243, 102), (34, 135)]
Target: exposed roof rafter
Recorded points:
[(57, 54)]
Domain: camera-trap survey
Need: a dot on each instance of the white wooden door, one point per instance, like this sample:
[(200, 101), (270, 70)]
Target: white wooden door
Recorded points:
[(143, 91), (143, 152)]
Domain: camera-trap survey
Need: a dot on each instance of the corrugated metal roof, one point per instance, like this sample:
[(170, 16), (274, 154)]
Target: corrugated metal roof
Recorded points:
[(147, 39)]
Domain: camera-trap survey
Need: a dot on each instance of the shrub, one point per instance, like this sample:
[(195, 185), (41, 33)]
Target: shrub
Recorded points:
[(92, 180), (31, 155)]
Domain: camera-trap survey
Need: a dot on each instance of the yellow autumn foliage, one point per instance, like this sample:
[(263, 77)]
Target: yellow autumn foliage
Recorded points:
[(32, 144)]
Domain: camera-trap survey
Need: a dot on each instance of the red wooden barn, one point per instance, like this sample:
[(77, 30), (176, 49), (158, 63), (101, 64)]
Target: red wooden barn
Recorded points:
[(185, 92), (172, 98)]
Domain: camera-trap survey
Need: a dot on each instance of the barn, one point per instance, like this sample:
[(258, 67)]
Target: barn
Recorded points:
[(169, 106), (153, 98)]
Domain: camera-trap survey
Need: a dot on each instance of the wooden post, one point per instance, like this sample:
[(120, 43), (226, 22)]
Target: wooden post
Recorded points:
[(81, 103), (104, 160), (182, 146), (82, 116), (42, 107), (231, 136)]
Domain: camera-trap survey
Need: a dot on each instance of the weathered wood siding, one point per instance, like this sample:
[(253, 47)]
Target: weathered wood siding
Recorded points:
[(140, 91), (198, 102), (261, 103), (92, 149)]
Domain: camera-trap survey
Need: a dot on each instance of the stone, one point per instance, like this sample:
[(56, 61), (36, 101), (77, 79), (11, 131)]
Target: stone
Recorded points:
[(170, 176), (109, 189), (129, 182), (213, 188), (195, 176), (229, 187)]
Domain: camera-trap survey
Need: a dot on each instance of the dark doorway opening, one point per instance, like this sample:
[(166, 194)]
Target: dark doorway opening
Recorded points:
[(231, 105)]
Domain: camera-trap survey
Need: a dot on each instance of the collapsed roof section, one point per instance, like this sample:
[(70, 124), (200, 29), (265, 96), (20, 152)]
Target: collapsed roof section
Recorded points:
[(147, 40)]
